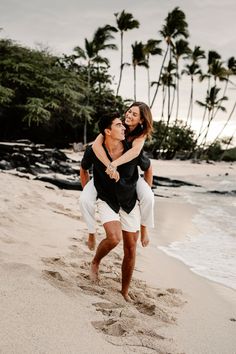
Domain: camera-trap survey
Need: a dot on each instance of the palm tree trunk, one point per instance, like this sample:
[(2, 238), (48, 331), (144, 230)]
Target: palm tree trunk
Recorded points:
[(134, 82), (226, 123), (204, 113), (177, 91), (225, 89), (88, 99), (163, 101), (173, 101), (121, 62), (190, 101), (165, 133), (159, 79), (211, 116), (149, 87), (168, 105), (85, 131)]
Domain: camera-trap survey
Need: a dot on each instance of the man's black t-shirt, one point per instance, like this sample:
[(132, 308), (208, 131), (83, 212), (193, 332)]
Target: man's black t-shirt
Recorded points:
[(116, 194)]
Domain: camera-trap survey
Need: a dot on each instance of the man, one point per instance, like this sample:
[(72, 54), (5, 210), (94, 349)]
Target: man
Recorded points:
[(117, 201)]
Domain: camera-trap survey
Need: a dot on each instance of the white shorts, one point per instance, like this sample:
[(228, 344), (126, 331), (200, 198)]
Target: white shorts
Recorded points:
[(129, 222)]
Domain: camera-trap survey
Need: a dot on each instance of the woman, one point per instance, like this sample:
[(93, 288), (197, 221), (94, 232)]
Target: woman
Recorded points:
[(139, 126)]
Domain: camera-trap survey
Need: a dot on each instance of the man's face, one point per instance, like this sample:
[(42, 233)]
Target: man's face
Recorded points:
[(117, 130)]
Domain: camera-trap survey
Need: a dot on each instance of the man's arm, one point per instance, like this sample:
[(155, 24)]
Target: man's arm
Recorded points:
[(84, 176), (85, 165)]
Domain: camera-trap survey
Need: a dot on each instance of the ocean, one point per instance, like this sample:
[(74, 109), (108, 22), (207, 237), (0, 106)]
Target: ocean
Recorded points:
[(212, 252)]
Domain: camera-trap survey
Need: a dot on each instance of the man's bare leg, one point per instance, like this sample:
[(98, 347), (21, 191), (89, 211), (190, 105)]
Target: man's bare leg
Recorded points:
[(130, 243), (91, 243), (113, 237), (144, 236)]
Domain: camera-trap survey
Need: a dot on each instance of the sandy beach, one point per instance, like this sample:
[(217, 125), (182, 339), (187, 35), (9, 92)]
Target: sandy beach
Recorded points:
[(49, 305)]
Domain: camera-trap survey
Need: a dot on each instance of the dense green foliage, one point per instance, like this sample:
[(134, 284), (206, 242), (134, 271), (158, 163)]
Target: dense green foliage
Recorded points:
[(229, 155), (179, 142), (43, 99)]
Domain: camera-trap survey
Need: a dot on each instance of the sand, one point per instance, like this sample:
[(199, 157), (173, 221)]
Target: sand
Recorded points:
[(49, 305)]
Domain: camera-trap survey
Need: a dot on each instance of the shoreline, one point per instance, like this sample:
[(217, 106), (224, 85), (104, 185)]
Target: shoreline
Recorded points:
[(210, 306)]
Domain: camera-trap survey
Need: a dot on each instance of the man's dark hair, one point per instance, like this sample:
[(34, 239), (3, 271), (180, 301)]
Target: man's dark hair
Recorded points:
[(106, 121)]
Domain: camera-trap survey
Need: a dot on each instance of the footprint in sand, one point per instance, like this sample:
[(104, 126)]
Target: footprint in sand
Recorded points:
[(111, 327), (53, 274), (91, 290), (146, 309), (53, 260), (108, 308)]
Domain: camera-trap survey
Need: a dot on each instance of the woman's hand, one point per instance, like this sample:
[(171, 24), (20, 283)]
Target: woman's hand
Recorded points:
[(112, 172)]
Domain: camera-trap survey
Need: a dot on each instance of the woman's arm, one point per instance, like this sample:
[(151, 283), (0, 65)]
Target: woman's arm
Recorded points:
[(99, 151), (102, 156), (129, 155)]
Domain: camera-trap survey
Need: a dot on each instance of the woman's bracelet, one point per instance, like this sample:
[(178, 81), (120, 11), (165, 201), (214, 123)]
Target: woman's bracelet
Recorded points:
[(110, 167)]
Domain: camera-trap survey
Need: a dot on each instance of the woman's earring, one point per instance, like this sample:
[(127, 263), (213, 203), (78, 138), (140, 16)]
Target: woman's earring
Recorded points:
[(141, 126)]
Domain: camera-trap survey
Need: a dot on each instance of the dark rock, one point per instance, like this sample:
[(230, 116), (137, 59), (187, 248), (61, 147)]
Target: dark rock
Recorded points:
[(22, 169), (59, 155), (19, 159), (5, 165), (233, 192), (37, 159), (61, 183), (168, 182)]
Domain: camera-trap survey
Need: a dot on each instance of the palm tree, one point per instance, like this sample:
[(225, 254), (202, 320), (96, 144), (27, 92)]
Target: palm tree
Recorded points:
[(180, 48), (151, 48), (175, 26), (211, 103), (91, 54), (125, 22), (212, 57), (138, 59), (102, 36), (192, 70), (230, 70), (167, 81)]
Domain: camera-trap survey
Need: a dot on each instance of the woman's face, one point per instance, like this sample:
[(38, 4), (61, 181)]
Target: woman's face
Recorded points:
[(132, 117)]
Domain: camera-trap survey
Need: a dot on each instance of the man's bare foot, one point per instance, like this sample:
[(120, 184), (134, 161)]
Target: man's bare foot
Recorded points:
[(91, 243), (144, 236), (93, 272), (126, 296)]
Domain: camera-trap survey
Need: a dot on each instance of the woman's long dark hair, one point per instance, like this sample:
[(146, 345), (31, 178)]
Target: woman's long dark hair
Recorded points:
[(147, 122)]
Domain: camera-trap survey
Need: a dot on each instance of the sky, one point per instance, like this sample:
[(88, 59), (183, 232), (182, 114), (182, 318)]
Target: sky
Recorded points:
[(61, 25)]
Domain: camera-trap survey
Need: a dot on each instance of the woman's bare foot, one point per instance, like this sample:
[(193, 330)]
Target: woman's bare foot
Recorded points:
[(91, 243), (93, 272), (144, 236)]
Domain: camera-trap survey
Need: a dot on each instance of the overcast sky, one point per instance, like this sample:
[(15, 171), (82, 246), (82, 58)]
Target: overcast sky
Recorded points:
[(61, 25)]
